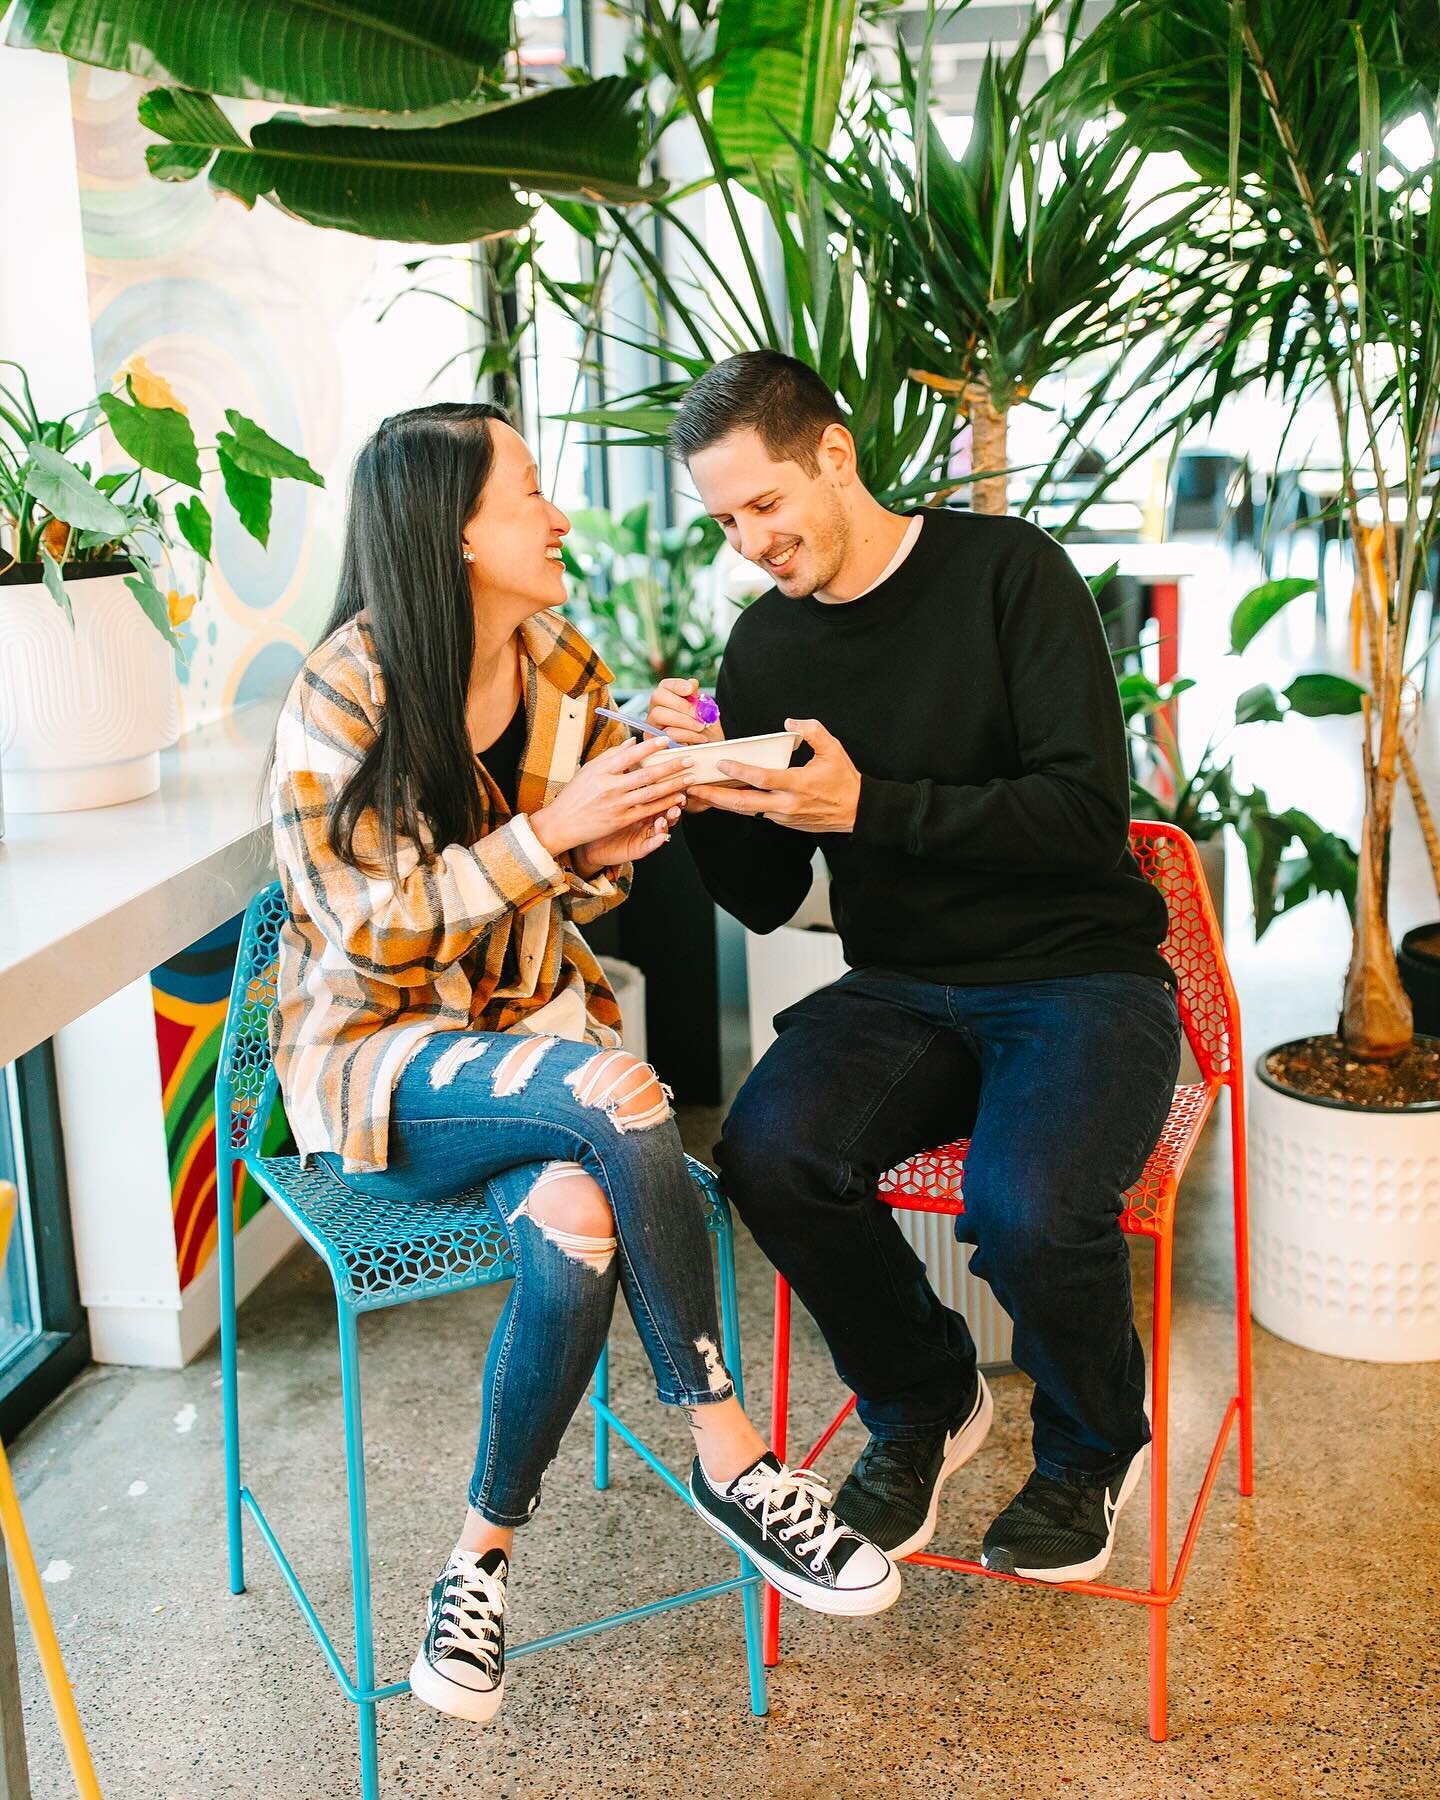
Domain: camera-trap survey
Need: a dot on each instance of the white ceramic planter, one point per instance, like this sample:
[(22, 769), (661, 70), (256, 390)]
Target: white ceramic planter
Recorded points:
[(1345, 1226), (781, 968), (84, 714)]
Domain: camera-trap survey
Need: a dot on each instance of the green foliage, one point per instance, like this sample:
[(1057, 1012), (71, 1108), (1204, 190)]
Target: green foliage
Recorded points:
[(55, 509), (427, 141), (635, 594), (1288, 855), (781, 67)]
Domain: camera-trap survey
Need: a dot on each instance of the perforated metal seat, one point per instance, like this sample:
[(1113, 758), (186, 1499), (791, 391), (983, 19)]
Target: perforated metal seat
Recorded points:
[(382, 1252), (387, 1252)]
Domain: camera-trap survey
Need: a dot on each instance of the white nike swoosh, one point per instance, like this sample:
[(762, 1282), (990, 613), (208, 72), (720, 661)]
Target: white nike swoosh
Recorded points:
[(1110, 1511)]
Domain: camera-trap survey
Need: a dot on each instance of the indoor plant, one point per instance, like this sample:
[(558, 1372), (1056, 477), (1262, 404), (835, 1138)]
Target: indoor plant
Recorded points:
[(92, 592), (638, 594), (423, 136), (1333, 288)]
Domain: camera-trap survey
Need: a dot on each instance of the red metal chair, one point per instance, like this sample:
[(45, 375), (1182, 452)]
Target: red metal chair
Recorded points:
[(933, 1182)]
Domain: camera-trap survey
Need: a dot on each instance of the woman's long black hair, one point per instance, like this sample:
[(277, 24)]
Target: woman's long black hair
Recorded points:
[(415, 485)]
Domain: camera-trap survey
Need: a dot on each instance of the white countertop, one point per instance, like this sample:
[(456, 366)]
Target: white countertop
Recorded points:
[(91, 901)]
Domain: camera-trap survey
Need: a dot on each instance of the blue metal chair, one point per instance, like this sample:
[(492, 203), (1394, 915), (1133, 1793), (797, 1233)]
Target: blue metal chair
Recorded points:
[(382, 1254)]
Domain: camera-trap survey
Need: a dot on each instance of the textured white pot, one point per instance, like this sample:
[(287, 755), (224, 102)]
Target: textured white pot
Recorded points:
[(83, 713), (1345, 1226)]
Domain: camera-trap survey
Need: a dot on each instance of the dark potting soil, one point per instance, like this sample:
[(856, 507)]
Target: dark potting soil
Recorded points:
[(1426, 943), (1321, 1068)]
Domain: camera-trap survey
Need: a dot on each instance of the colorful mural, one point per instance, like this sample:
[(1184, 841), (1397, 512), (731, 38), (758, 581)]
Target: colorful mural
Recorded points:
[(190, 993), (261, 312)]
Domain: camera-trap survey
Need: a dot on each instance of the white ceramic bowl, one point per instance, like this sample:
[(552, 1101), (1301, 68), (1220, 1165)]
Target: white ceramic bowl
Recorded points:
[(772, 750)]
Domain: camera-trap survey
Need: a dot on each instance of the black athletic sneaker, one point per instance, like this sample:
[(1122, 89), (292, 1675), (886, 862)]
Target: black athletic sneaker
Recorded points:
[(1060, 1530), (892, 1494), (461, 1666), (781, 1518)]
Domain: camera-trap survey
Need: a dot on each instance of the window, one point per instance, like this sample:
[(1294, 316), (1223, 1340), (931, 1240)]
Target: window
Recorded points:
[(43, 1337)]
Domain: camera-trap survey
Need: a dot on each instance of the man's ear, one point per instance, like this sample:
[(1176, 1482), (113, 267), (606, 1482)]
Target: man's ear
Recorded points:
[(836, 450)]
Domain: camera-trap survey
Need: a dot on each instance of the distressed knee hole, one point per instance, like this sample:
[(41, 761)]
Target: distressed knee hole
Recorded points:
[(628, 1091), (519, 1065), (450, 1062), (717, 1376), (570, 1212)]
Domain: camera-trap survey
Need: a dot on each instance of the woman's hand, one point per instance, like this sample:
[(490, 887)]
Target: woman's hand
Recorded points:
[(610, 796), (624, 846)]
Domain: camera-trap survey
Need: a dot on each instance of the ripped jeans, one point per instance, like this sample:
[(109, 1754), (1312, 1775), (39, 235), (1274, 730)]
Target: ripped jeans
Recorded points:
[(515, 1114)]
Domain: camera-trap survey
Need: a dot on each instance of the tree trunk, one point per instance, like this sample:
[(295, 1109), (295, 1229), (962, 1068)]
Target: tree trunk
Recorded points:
[(987, 449), (1376, 1021)]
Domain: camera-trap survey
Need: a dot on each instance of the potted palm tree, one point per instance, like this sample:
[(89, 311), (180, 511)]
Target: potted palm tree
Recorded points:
[(1030, 252), (94, 589), (1332, 243)]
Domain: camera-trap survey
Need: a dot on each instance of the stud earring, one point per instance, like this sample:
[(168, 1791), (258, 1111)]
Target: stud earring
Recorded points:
[(467, 556)]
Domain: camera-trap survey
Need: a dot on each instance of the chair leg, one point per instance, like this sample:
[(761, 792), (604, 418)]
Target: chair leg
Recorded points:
[(1244, 1384), (730, 1346), (602, 1430), (1159, 1488), (359, 1549), (779, 1431), (229, 1369)]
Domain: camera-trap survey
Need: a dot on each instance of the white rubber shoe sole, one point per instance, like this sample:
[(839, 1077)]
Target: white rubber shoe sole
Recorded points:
[(1087, 1571), (971, 1435), (841, 1603), (478, 1705)]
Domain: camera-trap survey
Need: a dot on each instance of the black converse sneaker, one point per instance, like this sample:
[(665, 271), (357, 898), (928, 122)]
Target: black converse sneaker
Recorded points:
[(1060, 1530), (781, 1518), (892, 1494), (461, 1666)]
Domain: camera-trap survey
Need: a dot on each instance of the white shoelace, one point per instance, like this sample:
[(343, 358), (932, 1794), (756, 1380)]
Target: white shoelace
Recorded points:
[(796, 1500), (471, 1609)]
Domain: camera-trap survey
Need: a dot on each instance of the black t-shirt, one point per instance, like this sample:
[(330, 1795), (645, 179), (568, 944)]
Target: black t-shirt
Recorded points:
[(974, 692), (502, 759)]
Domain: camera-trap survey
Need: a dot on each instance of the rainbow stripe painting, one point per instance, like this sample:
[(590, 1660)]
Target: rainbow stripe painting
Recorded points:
[(190, 995)]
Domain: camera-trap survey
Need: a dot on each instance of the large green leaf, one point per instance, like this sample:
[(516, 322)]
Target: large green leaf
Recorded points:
[(255, 451), (153, 605), (158, 437), (394, 55), (193, 518), (444, 184), (61, 489), (54, 580), (1323, 696), (782, 63), (1257, 608), (249, 494)]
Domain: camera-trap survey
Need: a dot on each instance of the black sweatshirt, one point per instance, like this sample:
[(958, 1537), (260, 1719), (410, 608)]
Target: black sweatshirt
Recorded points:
[(974, 692)]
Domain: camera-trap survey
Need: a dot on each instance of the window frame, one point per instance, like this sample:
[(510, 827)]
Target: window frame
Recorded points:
[(60, 1348)]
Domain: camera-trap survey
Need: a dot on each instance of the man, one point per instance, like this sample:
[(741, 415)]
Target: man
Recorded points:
[(965, 777)]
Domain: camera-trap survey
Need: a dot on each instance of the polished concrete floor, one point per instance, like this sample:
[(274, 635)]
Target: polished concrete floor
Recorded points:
[(1305, 1655)]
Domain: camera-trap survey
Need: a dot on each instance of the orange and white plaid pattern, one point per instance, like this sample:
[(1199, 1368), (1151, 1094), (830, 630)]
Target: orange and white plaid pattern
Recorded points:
[(475, 937)]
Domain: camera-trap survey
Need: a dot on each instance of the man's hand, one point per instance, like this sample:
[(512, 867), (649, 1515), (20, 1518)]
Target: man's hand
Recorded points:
[(672, 710), (821, 796)]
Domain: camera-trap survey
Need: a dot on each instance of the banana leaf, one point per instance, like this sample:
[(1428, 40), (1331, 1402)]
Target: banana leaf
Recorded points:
[(397, 56)]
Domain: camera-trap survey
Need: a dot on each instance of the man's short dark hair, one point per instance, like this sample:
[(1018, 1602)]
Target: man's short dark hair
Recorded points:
[(783, 400)]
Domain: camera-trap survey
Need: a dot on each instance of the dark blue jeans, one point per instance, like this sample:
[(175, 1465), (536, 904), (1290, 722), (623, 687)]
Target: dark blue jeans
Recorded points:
[(1063, 1088), (463, 1120)]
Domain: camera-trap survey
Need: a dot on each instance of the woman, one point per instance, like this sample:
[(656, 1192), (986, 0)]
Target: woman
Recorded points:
[(448, 810)]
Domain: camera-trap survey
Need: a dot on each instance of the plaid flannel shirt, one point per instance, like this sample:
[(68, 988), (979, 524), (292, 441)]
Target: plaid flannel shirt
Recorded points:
[(475, 937)]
